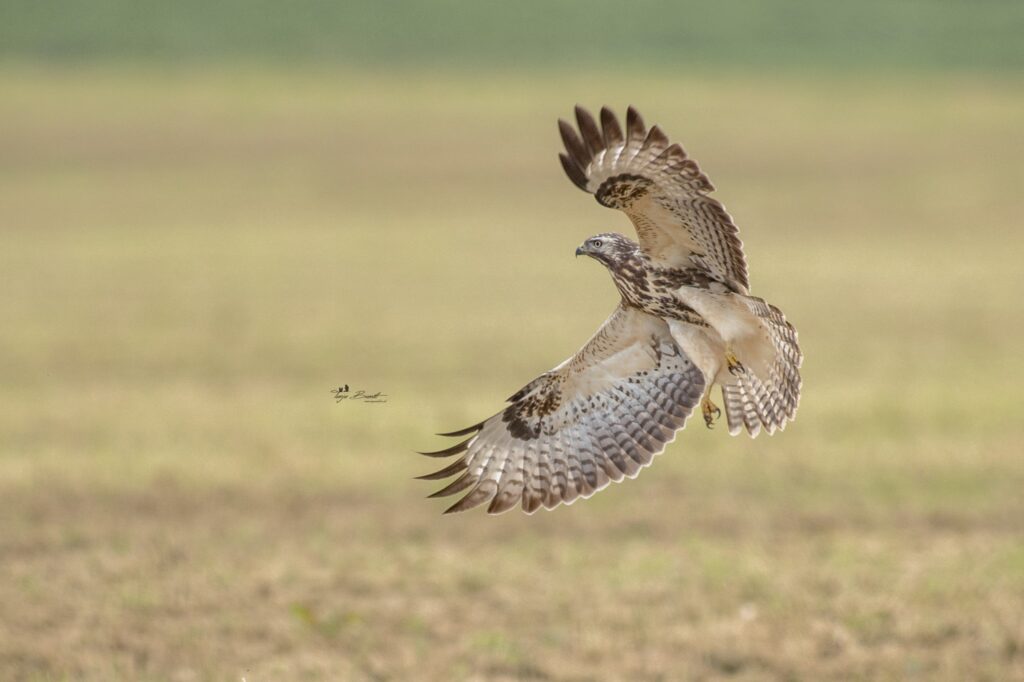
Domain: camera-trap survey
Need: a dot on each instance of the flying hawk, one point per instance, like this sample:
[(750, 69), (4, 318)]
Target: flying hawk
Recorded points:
[(686, 323)]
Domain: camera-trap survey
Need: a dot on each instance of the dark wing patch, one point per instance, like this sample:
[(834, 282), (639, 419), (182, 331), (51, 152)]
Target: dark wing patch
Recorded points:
[(599, 417), (621, 191), (661, 189)]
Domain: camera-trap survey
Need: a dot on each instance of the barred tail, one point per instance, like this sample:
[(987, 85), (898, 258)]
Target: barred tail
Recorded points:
[(766, 393)]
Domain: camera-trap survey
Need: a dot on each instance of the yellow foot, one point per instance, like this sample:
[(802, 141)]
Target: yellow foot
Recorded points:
[(735, 366), (710, 412)]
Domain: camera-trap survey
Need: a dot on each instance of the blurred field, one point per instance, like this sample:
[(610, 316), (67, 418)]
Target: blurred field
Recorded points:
[(568, 35), (191, 260)]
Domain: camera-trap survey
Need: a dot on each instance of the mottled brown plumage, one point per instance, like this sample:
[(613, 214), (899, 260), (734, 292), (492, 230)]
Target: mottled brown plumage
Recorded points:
[(662, 191), (598, 417), (685, 323), (693, 265)]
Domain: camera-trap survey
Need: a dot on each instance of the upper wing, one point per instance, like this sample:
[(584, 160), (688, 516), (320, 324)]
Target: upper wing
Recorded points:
[(599, 416), (662, 191)]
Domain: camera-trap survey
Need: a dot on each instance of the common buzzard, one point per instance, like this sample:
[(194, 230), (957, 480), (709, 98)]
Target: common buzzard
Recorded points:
[(686, 323)]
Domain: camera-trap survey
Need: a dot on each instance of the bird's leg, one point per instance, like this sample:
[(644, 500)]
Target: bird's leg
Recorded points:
[(735, 366), (710, 411)]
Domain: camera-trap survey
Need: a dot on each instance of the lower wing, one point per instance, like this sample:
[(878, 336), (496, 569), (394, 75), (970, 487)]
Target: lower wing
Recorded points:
[(600, 416)]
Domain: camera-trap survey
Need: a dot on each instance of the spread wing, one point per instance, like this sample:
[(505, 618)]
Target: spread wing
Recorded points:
[(664, 193), (601, 415)]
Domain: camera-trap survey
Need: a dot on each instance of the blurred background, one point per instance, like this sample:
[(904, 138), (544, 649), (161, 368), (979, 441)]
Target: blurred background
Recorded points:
[(211, 214)]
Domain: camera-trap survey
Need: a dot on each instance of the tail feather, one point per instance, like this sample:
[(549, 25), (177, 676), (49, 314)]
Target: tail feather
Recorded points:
[(748, 409), (766, 394), (733, 399)]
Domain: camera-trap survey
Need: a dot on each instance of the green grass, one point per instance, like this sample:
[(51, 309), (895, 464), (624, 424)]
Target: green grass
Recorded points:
[(191, 261), (566, 35)]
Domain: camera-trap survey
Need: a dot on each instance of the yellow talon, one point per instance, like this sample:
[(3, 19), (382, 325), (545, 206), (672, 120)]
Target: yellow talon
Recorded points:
[(710, 412), (735, 366)]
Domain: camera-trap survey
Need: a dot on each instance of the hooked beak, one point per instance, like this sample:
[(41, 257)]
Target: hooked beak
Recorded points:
[(579, 251)]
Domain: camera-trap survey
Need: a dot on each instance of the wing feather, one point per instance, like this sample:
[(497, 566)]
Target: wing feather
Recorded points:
[(573, 171), (457, 486), (590, 132), (600, 416), (661, 189), (450, 470), (611, 130), (577, 151), (635, 126)]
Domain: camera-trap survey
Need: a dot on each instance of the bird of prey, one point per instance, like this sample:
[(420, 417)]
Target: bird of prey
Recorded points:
[(686, 323)]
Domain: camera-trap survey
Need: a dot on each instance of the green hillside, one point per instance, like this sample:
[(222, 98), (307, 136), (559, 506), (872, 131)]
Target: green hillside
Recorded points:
[(874, 34)]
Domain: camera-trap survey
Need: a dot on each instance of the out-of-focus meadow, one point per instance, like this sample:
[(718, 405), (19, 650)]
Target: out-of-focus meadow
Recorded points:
[(191, 258)]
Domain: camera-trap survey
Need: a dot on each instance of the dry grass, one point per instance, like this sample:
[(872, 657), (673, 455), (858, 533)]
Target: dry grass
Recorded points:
[(191, 261)]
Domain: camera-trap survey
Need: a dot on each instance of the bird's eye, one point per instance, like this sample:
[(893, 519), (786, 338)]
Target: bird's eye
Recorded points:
[(596, 243)]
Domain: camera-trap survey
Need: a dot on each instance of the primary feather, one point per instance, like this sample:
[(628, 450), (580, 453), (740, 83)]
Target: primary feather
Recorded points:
[(685, 323)]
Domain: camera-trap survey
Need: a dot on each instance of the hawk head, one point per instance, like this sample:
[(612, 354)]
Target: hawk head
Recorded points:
[(610, 248)]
